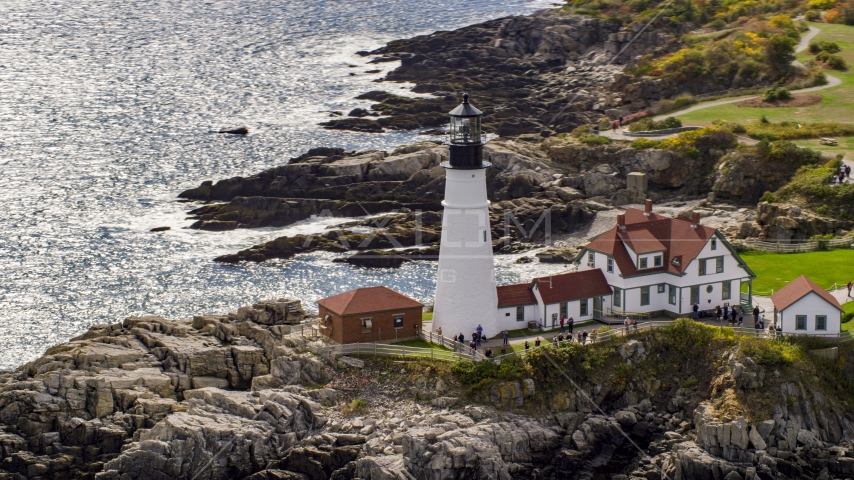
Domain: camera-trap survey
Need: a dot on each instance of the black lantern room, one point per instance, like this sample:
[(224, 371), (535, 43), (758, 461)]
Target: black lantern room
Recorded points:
[(466, 147)]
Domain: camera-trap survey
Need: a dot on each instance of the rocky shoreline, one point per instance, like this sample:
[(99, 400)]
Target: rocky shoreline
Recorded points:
[(522, 72), (236, 396)]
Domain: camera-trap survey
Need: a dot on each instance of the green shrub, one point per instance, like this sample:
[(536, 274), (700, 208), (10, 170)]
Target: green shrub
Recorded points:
[(847, 317), (821, 4), (775, 94), (822, 210), (812, 15), (764, 119), (669, 122), (836, 62), (824, 46), (765, 130), (644, 143), (648, 124), (595, 140), (718, 23), (731, 126), (768, 197), (582, 130)]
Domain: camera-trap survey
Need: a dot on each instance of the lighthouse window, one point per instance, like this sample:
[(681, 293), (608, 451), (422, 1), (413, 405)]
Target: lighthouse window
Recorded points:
[(484, 235)]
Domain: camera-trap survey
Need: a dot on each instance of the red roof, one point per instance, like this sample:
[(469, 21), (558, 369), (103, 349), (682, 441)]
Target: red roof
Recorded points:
[(367, 300), (798, 289), (513, 295), (573, 286), (645, 234)]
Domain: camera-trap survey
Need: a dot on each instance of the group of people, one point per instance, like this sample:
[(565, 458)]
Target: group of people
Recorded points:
[(729, 313), (477, 339), (580, 337), (569, 324), (844, 172)]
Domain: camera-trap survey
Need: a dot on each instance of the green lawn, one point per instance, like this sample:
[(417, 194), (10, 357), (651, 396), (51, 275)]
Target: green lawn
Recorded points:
[(775, 270), (836, 106), (421, 344), (427, 316), (849, 308)]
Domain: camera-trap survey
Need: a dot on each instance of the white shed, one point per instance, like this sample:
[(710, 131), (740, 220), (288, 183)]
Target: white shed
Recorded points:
[(805, 308)]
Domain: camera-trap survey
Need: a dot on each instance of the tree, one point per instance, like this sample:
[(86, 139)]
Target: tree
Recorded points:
[(780, 52)]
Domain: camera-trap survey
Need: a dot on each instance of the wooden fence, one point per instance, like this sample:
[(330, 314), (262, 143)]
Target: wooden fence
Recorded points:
[(777, 247)]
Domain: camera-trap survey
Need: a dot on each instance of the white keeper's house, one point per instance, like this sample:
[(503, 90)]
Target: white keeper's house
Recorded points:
[(666, 265)]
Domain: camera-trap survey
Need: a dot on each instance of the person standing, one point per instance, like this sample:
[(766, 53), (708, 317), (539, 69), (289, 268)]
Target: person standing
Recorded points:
[(621, 121), (571, 324), (479, 329), (561, 324), (584, 338), (506, 335), (477, 338), (756, 313), (849, 287), (537, 342), (441, 339), (696, 309), (718, 313), (626, 324), (462, 338), (526, 345)]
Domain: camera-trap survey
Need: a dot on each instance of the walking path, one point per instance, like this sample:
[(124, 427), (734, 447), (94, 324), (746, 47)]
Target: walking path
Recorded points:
[(802, 45)]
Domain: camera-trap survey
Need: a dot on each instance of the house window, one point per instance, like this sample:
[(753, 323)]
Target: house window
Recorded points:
[(800, 322), (702, 262), (672, 295), (554, 319), (398, 322), (714, 243), (719, 265), (366, 325), (591, 259), (583, 304), (618, 296), (726, 290), (644, 296), (520, 314), (563, 308), (658, 260), (643, 263), (695, 295), (660, 288), (610, 265), (820, 322), (507, 314)]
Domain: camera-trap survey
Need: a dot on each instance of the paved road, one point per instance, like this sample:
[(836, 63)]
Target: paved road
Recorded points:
[(803, 45)]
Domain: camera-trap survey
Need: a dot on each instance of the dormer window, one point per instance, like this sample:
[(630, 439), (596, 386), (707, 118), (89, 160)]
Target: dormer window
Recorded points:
[(714, 243), (658, 260), (643, 263), (675, 262)]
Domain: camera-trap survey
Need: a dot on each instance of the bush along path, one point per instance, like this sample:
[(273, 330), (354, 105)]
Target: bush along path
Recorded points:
[(802, 45)]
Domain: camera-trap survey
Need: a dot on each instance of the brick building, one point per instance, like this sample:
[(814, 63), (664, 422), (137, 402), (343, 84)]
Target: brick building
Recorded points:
[(369, 314)]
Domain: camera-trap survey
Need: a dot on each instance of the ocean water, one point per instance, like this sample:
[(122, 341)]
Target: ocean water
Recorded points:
[(108, 110)]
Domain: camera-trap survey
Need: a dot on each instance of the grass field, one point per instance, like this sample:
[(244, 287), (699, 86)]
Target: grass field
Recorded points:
[(421, 344), (774, 271), (836, 105)]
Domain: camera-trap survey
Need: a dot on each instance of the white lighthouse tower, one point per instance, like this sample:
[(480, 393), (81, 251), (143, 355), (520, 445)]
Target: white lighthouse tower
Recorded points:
[(465, 284)]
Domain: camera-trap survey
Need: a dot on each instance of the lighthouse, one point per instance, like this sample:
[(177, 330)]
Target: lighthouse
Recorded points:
[(465, 283)]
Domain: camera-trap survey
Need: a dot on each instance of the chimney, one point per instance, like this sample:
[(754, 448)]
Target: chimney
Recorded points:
[(695, 219), (647, 208), (621, 221)]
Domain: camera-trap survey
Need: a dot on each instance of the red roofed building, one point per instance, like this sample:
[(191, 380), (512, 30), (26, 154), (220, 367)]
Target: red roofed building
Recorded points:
[(546, 299), (662, 264), (517, 305), (369, 314), (804, 307)]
